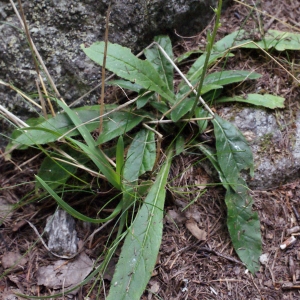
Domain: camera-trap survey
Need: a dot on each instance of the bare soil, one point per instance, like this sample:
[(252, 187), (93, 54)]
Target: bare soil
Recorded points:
[(186, 267)]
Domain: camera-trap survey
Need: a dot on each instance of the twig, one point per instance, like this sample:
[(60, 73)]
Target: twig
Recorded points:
[(20, 93), (12, 117), (296, 213), (41, 99), (221, 255), (101, 102)]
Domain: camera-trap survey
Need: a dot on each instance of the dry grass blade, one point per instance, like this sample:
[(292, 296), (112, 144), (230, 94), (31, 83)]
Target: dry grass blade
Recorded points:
[(34, 49), (264, 13), (270, 56), (20, 93), (12, 117)]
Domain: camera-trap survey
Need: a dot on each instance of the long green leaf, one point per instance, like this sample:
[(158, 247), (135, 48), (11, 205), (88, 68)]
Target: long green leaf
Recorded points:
[(141, 245), (160, 106), (186, 55), (182, 108), (179, 144), (228, 77), (126, 85), (184, 104), (196, 69), (114, 125), (266, 100), (244, 226), (141, 155), (140, 159), (117, 124), (122, 62), (36, 136), (280, 40), (233, 152), (200, 112), (185, 90), (50, 130), (230, 40), (159, 61), (71, 210), (144, 99)]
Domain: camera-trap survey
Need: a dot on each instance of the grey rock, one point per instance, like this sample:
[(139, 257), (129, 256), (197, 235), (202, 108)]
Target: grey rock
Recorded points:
[(59, 27), (62, 236), (276, 153)]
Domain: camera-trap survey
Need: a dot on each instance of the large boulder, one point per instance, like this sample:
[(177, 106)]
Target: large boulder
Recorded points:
[(59, 27)]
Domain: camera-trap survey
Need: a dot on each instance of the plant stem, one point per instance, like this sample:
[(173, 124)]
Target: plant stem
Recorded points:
[(208, 52)]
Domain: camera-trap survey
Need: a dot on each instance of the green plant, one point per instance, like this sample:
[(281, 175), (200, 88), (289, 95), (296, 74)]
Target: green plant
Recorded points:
[(266, 141), (155, 111)]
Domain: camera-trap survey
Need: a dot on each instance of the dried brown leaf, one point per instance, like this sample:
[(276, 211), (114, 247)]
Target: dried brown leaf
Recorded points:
[(198, 233)]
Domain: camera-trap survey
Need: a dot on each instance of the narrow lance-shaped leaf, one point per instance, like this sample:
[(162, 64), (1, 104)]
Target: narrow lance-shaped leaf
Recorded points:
[(211, 81), (228, 77), (47, 131), (244, 226), (184, 104), (144, 99), (56, 172), (117, 124), (141, 155), (266, 100), (200, 112), (186, 55), (179, 144), (182, 108), (122, 62), (140, 159), (159, 61), (233, 151), (141, 245), (125, 84), (230, 40), (196, 69)]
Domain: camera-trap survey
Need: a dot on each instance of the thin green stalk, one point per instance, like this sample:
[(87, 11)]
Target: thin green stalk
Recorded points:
[(211, 39)]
